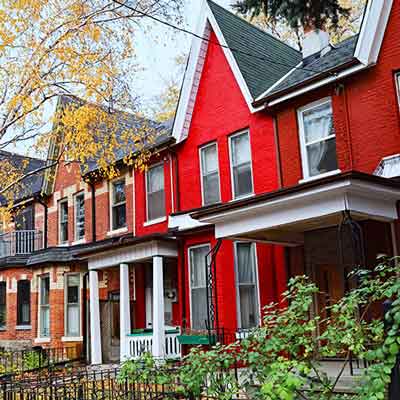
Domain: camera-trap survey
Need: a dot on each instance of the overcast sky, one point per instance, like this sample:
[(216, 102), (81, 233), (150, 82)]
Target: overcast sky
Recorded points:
[(157, 49)]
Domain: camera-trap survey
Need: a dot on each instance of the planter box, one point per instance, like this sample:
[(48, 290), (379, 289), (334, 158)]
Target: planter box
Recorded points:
[(197, 339)]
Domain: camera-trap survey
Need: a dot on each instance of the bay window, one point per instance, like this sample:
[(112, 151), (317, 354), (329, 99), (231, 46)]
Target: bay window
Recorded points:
[(210, 174), (79, 216), (118, 204), (198, 286), (246, 285), (241, 170), (23, 302), (72, 305), (155, 193), (3, 304), (63, 221), (317, 138), (44, 306)]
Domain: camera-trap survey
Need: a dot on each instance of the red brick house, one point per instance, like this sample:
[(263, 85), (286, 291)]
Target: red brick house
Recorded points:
[(247, 188)]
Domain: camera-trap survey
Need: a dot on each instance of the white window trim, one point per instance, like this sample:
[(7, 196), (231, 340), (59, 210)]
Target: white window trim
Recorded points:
[(43, 339), (164, 217), (66, 305), (113, 231), (234, 197), (62, 201), (215, 143), (303, 147), (397, 84), (76, 239), (197, 246), (258, 299)]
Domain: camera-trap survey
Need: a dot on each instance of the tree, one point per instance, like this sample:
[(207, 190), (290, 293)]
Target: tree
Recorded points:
[(76, 49), (347, 25), (295, 13)]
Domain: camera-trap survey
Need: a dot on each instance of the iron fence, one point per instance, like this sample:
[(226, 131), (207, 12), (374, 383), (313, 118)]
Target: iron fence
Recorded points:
[(17, 362)]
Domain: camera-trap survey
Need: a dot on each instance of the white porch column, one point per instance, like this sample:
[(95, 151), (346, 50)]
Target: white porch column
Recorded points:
[(158, 308), (125, 312), (95, 330)]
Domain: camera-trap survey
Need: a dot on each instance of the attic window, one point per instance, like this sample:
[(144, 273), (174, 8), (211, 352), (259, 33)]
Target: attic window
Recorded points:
[(389, 167)]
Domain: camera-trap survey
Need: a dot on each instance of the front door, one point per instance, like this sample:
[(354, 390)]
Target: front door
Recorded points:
[(110, 328)]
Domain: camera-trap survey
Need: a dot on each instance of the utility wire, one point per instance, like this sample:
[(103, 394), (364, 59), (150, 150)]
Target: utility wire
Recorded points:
[(170, 25)]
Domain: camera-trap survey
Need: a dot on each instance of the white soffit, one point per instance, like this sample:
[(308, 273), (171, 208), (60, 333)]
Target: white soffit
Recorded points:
[(366, 199), (191, 82)]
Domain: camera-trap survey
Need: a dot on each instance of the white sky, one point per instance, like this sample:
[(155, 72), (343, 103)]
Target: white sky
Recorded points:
[(157, 49)]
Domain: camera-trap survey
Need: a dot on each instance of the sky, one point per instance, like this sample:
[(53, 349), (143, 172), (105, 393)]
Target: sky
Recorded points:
[(158, 48)]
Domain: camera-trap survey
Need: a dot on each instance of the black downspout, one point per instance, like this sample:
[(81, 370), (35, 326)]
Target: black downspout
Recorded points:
[(45, 228), (91, 184)]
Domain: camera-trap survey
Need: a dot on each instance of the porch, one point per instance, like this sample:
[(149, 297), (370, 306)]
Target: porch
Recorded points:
[(117, 331)]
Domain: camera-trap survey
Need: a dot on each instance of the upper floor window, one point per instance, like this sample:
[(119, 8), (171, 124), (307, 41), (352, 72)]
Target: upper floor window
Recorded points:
[(210, 174), (246, 285), (397, 77), (242, 177), (63, 221), (44, 306), (118, 204), (317, 138), (155, 192), (198, 286), (79, 216), (3, 304), (72, 305), (23, 302)]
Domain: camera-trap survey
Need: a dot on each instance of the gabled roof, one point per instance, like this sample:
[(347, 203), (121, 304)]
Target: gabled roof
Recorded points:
[(31, 185), (252, 48)]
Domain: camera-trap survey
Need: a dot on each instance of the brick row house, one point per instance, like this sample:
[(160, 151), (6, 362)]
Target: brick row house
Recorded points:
[(272, 155)]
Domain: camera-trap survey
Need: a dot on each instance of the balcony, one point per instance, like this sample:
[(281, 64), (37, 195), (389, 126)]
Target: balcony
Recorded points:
[(20, 243)]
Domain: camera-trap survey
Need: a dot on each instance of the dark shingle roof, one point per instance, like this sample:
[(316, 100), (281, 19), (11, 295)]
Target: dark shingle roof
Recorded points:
[(315, 65), (258, 73), (30, 186)]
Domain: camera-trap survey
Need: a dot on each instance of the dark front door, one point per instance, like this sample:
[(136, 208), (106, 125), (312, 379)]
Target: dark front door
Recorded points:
[(110, 328)]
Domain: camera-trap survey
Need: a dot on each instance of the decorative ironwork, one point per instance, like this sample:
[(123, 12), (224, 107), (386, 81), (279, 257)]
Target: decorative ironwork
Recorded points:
[(211, 281)]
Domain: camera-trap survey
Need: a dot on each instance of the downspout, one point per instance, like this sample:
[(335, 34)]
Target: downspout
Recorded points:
[(348, 125), (93, 190), (45, 222)]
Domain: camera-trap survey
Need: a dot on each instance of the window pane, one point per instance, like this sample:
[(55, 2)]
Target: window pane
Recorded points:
[(118, 192), (318, 123), (155, 179), (119, 216), (398, 87), (245, 263), (199, 308), (211, 188), (248, 306), (242, 179), (3, 298), (73, 319), (155, 193), (63, 221), (44, 290), (156, 205), (240, 149), (23, 302), (80, 217), (209, 160), (198, 266), (322, 157), (44, 321)]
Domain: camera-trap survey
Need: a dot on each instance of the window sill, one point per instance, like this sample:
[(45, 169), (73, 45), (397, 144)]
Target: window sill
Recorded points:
[(245, 196), (80, 241), (155, 221), (63, 244), (72, 339), (23, 327), (42, 340), (320, 176), (3, 328), (117, 231)]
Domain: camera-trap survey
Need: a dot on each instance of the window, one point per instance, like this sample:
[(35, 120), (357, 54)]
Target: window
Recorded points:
[(23, 302), (63, 221), (3, 304), (246, 285), (155, 192), (118, 204), (72, 304), (198, 286), (210, 174), (241, 165), (44, 306), (397, 77), (79, 216), (317, 138)]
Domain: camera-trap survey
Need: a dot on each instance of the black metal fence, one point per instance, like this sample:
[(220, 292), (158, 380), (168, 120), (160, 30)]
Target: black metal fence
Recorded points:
[(17, 362)]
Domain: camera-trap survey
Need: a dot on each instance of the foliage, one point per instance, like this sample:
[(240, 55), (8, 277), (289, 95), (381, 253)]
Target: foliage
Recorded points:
[(311, 14), (31, 360), (281, 358)]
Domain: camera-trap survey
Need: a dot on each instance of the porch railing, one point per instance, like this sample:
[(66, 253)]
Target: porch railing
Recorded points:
[(140, 343), (20, 243)]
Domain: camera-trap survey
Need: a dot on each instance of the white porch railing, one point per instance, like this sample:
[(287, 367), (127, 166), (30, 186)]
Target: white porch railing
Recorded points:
[(20, 243), (140, 343)]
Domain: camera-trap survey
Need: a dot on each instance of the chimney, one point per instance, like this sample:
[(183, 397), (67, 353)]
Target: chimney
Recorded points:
[(315, 40)]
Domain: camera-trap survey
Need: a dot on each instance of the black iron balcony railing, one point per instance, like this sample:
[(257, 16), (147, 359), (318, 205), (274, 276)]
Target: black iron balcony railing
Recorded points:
[(19, 243)]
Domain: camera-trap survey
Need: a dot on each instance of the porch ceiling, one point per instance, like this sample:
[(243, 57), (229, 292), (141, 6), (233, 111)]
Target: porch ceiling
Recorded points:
[(283, 217)]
